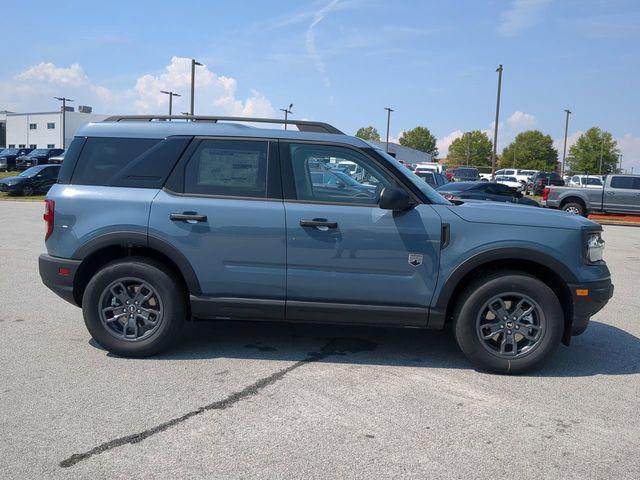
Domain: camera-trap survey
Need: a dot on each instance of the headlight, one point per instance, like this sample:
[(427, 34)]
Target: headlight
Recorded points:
[(595, 247)]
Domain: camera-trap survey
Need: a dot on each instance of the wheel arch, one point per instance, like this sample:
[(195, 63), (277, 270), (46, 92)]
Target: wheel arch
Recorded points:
[(546, 268), (116, 245), (574, 199)]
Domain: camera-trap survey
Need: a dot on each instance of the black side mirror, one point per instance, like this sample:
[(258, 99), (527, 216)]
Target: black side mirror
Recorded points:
[(395, 199)]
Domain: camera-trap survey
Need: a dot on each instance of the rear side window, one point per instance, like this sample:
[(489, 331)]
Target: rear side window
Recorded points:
[(234, 168), (70, 159), (629, 183)]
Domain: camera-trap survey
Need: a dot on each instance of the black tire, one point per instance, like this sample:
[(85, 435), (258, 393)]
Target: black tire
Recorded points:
[(172, 298), (473, 301), (575, 208), (27, 191)]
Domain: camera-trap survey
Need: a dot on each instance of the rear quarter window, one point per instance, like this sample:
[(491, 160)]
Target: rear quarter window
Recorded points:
[(630, 183), (127, 162)]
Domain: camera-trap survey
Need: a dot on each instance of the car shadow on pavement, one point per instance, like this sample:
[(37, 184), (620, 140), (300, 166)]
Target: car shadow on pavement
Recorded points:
[(602, 349)]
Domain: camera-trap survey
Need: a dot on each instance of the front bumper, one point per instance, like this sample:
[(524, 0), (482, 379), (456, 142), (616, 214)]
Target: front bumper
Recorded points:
[(58, 274), (588, 299)]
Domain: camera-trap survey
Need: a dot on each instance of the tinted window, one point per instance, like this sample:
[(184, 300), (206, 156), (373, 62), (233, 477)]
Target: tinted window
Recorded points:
[(631, 183), (236, 168), (555, 176), (70, 159), (104, 158), (51, 172), (368, 179)]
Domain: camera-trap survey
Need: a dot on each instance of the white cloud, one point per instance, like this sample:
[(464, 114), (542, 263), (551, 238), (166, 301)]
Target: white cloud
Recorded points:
[(629, 146), (445, 142), (521, 15), (519, 121), (310, 40), (34, 88)]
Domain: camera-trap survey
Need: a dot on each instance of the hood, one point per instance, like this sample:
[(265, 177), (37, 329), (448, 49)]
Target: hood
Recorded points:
[(521, 215), (10, 181)]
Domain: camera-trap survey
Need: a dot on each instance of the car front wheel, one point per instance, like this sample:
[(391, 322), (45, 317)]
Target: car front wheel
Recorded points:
[(134, 307), (510, 323)]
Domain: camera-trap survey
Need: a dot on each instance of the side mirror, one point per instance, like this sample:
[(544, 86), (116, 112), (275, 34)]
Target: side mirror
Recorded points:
[(395, 199)]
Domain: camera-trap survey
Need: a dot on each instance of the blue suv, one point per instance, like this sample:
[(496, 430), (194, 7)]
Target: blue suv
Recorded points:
[(158, 220)]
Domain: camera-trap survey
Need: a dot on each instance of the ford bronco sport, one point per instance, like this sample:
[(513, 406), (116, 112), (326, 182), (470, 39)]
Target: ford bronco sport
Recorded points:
[(158, 220)]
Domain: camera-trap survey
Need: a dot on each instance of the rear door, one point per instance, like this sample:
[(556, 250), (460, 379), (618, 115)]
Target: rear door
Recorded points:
[(622, 194), (222, 210), (347, 259)]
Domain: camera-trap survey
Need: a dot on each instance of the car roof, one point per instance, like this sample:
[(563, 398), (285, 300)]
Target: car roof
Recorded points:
[(161, 129)]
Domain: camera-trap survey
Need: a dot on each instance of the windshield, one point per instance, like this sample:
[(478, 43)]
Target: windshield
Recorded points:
[(30, 172), (430, 193), (9, 151), (37, 152), (466, 172)]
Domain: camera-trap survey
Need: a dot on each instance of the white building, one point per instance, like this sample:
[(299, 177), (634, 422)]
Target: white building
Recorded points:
[(403, 153), (43, 129)]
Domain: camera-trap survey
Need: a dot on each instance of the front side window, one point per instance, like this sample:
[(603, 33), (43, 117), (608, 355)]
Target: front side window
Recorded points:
[(234, 168), (362, 184)]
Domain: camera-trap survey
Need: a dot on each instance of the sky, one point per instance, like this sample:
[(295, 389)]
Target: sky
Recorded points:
[(340, 61)]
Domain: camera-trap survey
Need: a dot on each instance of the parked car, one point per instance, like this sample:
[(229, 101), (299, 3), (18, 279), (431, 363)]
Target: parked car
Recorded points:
[(340, 184), (620, 194), (483, 190), (432, 178), (523, 176), (510, 182), (58, 159), (540, 180), (39, 156), (8, 158), (33, 181), (449, 173), (466, 174), (154, 223), (586, 181), (428, 167)]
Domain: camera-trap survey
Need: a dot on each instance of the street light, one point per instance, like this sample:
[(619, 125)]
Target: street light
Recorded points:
[(601, 152), (495, 130), (193, 80), (564, 150), (64, 101), (287, 111), (389, 110), (171, 95)]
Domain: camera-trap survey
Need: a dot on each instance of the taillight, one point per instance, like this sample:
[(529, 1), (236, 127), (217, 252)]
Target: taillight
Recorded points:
[(48, 217), (545, 193)]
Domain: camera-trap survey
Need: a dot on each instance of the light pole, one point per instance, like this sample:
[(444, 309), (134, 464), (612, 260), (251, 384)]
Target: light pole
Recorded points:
[(566, 130), (620, 159), (495, 130), (287, 111), (601, 152), (64, 101), (193, 80), (389, 110), (171, 95)]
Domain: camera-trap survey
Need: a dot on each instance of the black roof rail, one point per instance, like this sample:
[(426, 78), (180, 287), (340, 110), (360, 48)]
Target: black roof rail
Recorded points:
[(303, 125)]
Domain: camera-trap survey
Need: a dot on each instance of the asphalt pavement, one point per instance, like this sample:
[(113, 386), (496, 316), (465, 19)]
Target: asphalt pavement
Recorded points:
[(294, 401)]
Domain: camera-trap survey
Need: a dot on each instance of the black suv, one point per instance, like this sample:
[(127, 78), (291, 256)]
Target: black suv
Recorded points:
[(39, 156), (542, 179), (8, 158)]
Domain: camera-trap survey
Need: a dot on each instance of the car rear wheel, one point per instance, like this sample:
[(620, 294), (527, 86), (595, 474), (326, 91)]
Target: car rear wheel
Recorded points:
[(510, 323), (27, 191), (575, 208), (134, 307)]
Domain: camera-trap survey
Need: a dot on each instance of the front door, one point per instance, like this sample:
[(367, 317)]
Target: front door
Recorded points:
[(228, 222), (347, 259)]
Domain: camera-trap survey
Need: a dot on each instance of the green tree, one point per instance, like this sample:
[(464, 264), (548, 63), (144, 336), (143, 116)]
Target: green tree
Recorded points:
[(532, 150), (473, 148), (368, 133), (592, 146), (420, 138)]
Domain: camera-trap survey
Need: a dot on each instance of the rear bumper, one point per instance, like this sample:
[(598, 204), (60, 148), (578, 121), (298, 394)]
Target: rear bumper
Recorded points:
[(588, 299), (53, 271)]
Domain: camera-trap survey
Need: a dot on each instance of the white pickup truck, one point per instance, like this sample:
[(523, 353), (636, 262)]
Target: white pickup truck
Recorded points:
[(620, 194)]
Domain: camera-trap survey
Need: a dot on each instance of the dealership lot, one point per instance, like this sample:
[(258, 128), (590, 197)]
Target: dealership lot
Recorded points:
[(283, 401)]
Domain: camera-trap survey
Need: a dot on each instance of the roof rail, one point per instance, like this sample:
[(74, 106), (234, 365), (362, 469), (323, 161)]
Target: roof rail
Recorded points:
[(303, 125)]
